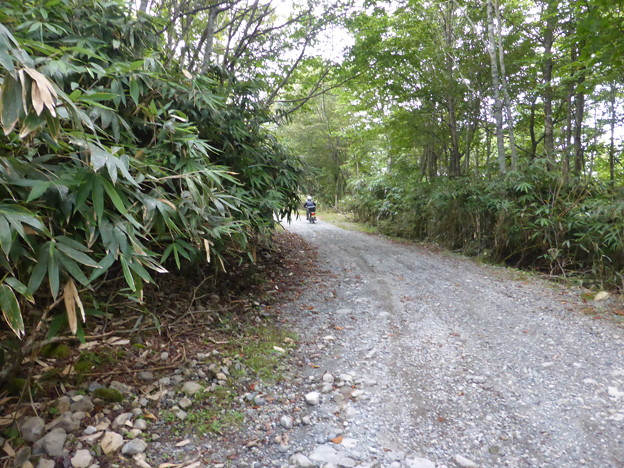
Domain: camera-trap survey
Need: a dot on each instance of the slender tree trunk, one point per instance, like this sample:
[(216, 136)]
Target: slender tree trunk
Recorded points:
[(505, 88), (533, 152), (455, 154), (547, 68), (143, 6), (612, 143), (579, 113), (210, 32), (567, 154), (498, 106)]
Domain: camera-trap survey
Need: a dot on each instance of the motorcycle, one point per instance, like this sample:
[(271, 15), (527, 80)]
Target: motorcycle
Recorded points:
[(311, 214)]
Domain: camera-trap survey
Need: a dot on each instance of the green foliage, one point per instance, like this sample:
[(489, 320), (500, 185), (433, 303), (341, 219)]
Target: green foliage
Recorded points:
[(117, 165), (533, 219), (108, 394)]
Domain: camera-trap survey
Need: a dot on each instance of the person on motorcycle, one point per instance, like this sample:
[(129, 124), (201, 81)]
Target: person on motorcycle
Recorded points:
[(309, 204)]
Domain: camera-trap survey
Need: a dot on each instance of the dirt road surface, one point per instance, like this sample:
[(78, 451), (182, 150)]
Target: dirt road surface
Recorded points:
[(425, 359)]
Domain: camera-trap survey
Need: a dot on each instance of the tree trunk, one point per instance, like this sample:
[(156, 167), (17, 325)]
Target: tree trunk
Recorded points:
[(455, 155), (612, 143), (567, 154), (579, 113), (533, 152), (209, 41), (547, 68), (505, 88), (498, 106)]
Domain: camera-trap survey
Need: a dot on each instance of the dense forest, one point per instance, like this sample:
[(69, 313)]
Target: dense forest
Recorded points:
[(490, 127), (142, 138)]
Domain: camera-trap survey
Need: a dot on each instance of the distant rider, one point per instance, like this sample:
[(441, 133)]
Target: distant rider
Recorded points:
[(309, 204)]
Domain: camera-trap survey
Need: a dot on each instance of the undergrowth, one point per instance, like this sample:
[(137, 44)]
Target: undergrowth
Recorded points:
[(534, 220)]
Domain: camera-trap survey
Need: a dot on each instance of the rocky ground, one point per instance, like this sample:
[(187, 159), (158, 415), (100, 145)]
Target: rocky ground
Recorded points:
[(400, 357)]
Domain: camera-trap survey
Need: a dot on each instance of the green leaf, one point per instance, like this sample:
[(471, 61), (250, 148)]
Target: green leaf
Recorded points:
[(39, 188), (20, 287), (5, 59), (139, 270), (6, 235), (115, 197), (134, 90), (98, 197), (53, 272), (12, 104), (11, 310), (127, 273), (38, 273), (72, 243), (103, 265), (58, 323), (78, 256), (73, 269)]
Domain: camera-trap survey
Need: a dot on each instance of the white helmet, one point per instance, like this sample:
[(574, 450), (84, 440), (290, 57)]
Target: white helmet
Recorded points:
[(309, 198)]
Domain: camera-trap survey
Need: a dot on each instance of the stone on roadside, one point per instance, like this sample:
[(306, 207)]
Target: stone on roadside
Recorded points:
[(91, 438), (52, 443), (140, 424), (313, 398), (121, 420), (191, 388), (32, 429), (465, 462), (300, 460), (327, 377), (62, 404), (45, 463), (134, 433), (89, 430), (121, 387), (286, 422), (185, 402), (416, 462), (111, 442), (140, 461), (134, 447), (328, 454), (601, 296), (146, 376), (83, 404), (82, 459)]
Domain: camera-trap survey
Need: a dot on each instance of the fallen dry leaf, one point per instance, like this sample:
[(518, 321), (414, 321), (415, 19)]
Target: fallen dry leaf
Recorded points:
[(183, 443), (8, 449), (149, 415), (337, 440)]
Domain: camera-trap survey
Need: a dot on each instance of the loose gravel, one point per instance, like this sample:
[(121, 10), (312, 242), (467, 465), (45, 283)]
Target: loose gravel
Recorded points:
[(459, 364)]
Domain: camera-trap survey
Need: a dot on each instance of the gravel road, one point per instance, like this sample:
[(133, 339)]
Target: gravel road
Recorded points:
[(424, 359)]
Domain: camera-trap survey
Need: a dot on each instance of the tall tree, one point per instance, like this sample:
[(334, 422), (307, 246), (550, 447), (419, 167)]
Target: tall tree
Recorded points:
[(496, 86)]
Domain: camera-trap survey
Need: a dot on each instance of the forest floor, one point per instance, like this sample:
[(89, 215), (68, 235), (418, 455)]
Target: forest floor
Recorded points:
[(351, 350)]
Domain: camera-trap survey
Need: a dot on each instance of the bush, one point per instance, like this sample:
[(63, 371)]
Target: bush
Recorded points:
[(532, 220), (118, 162)]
